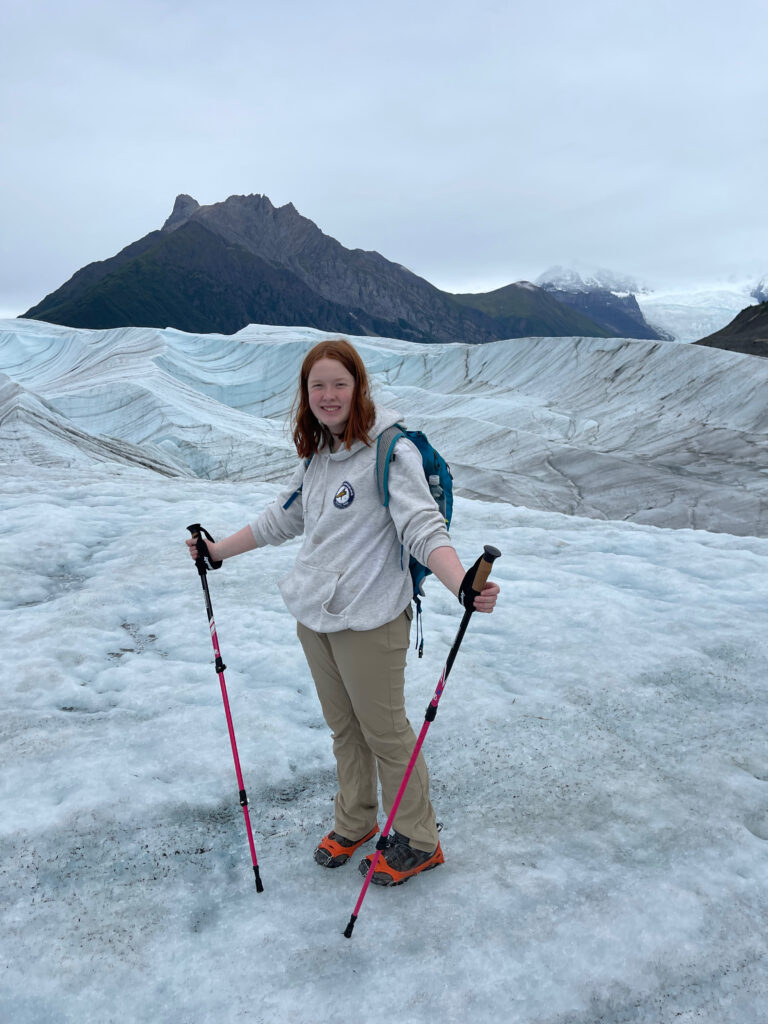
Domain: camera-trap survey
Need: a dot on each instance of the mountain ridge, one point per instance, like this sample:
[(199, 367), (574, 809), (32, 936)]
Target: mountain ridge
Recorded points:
[(747, 333), (161, 277), (252, 259)]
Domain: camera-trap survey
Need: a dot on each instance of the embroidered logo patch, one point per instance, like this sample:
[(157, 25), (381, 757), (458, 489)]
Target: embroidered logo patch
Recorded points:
[(344, 496)]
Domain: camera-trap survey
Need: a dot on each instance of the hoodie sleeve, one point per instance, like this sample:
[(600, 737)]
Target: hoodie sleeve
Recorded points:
[(419, 524), (277, 524)]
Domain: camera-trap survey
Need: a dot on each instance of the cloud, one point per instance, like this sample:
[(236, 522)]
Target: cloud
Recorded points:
[(475, 143)]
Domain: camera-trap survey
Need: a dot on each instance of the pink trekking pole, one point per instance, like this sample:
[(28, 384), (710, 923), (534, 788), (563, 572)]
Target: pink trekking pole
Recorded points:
[(202, 554), (474, 584)]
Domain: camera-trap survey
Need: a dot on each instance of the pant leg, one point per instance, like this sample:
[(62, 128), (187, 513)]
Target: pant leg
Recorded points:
[(371, 664), (356, 802)]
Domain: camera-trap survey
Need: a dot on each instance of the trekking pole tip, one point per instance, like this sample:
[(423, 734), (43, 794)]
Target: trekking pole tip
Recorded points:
[(350, 926), (259, 886)]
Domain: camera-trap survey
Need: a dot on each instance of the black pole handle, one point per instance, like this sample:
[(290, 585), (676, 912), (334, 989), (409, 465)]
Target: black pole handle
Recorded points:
[(203, 553)]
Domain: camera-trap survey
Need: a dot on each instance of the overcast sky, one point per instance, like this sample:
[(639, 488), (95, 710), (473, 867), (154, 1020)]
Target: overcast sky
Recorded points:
[(476, 143)]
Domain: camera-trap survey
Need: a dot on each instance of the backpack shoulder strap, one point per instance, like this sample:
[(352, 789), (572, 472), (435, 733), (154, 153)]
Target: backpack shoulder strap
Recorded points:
[(298, 490), (385, 447)]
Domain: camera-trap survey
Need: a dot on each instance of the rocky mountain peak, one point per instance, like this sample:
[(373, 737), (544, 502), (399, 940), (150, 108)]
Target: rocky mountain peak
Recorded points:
[(183, 209), (220, 266)]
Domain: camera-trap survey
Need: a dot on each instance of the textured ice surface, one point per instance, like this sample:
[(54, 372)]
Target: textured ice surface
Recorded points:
[(649, 432), (599, 758)]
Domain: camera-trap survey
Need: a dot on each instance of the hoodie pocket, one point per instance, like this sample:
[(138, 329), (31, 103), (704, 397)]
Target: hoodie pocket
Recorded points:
[(308, 592)]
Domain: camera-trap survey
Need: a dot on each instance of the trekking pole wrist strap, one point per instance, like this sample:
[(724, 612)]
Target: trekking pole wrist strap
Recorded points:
[(203, 554)]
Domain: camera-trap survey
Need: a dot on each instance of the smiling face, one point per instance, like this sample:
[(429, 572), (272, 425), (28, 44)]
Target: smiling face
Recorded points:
[(330, 390)]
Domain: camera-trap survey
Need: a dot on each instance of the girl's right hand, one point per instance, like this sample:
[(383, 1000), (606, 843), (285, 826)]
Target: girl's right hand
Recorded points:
[(191, 543)]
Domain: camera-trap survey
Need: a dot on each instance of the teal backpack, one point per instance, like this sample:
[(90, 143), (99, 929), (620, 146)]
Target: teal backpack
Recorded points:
[(438, 474)]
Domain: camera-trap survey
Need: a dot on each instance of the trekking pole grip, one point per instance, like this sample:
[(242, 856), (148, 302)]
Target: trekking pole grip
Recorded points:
[(203, 553), (489, 556), (476, 577)]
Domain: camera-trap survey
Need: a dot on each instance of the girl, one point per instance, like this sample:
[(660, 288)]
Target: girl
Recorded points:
[(350, 592)]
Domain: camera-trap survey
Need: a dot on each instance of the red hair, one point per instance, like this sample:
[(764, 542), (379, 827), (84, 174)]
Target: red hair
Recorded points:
[(309, 434)]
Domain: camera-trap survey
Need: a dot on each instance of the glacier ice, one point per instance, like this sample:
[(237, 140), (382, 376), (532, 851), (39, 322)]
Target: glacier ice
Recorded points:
[(648, 432)]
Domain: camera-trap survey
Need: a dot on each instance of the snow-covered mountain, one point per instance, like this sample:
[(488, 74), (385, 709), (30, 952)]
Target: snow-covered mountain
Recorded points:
[(599, 760), (680, 314), (581, 279), (606, 297), (608, 428)]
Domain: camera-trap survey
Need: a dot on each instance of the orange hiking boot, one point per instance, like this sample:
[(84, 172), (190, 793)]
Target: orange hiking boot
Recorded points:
[(334, 850), (399, 861)]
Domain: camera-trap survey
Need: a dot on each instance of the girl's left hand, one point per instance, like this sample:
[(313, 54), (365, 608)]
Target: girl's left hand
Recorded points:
[(486, 601)]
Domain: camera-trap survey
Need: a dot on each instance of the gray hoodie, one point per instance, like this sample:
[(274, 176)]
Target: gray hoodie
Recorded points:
[(352, 570)]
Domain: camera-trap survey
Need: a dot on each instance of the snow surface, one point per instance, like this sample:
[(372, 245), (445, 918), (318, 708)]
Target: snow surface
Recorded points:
[(599, 759)]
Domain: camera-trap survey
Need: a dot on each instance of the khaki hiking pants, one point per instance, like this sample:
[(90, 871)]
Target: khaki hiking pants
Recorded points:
[(359, 675)]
